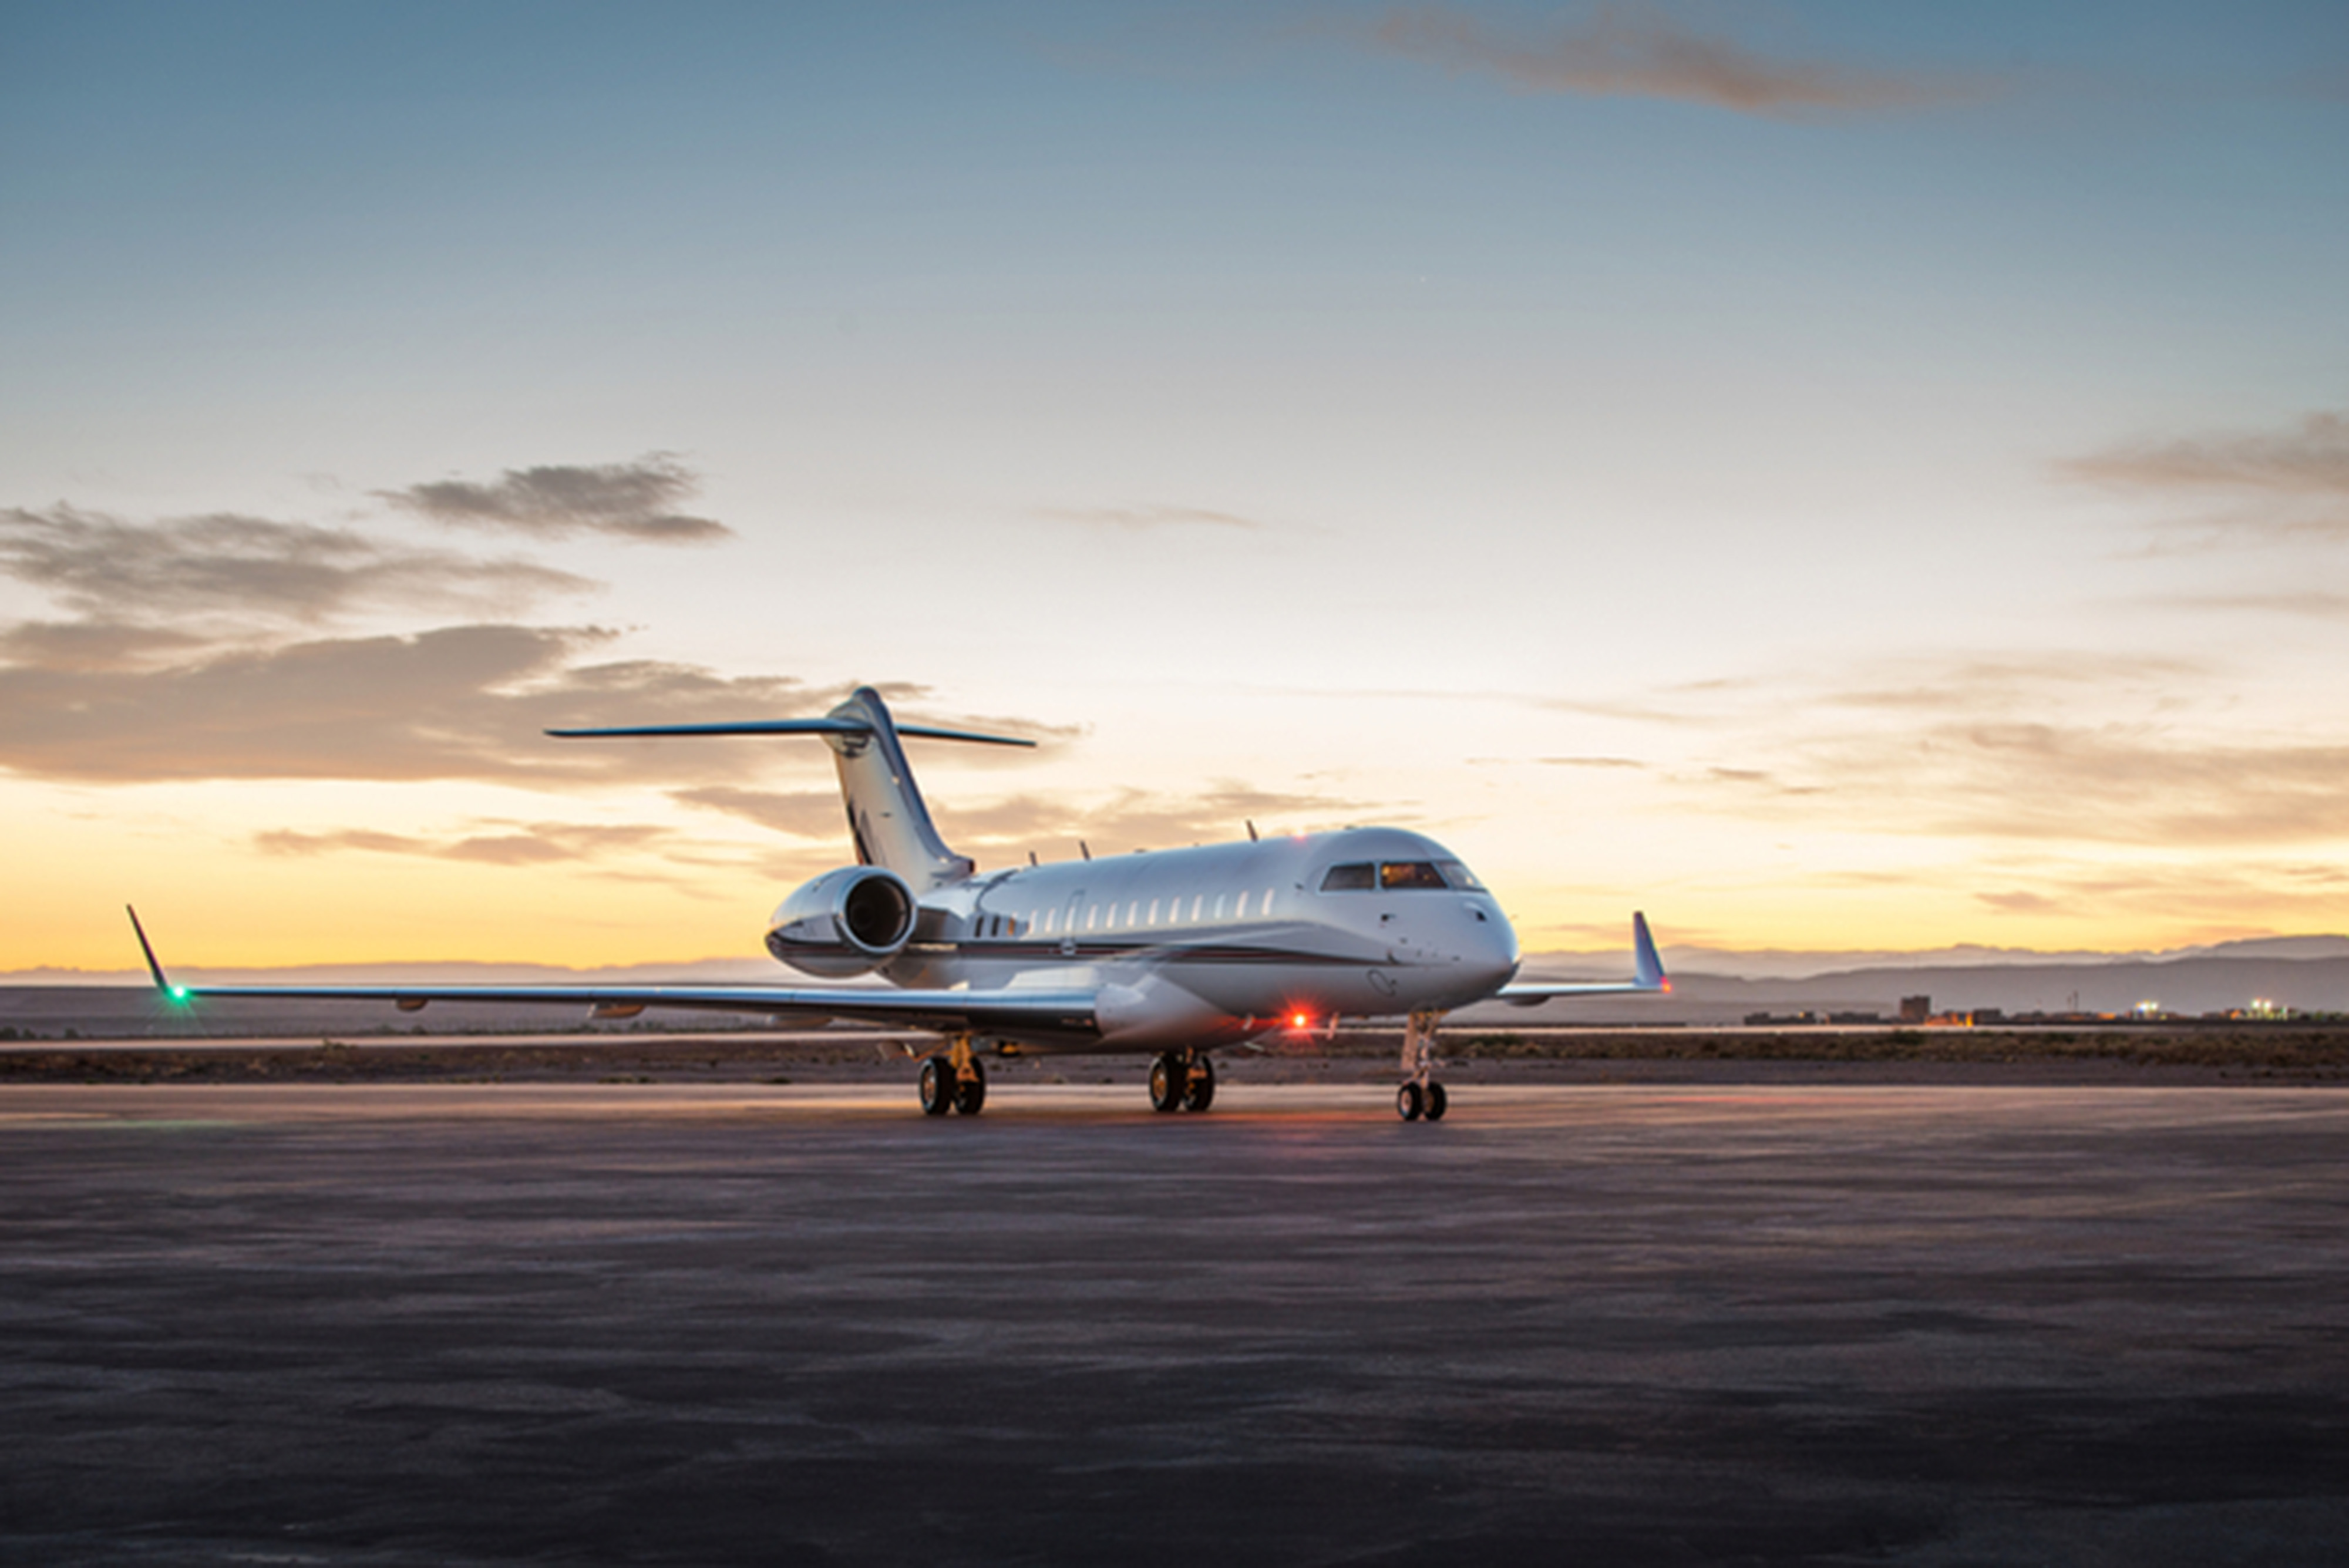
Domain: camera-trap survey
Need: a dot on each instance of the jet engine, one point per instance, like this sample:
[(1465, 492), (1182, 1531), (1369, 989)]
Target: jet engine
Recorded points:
[(845, 922)]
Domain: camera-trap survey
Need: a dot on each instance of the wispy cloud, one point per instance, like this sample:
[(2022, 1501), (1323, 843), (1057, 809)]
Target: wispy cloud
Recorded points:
[(1140, 819), (520, 844), (802, 813), (115, 572), (1147, 519), (1646, 52), (2283, 484), (636, 500)]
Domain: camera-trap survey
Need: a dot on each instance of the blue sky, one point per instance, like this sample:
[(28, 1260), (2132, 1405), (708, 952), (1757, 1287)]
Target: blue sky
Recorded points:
[(1835, 473)]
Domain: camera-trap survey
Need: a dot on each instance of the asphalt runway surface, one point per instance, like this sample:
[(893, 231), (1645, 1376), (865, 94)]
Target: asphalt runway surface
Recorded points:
[(748, 1323)]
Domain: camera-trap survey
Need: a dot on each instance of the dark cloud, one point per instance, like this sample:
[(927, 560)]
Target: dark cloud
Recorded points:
[(113, 571), (466, 702), (636, 501), (1143, 519), (455, 702), (1641, 52), (87, 645)]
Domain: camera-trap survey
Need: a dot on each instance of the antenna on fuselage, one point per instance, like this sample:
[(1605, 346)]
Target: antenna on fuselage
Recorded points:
[(1083, 850), (1031, 857), (1251, 827)]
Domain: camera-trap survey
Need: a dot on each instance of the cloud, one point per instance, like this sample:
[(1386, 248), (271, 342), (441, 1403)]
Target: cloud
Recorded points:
[(2292, 483), (2003, 684), (2311, 459), (455, 702), (1644, 53), (2021, 779), (530, 843), (1139, 819), (636, 500), (228, 565), (802, 814), (1146, 519)]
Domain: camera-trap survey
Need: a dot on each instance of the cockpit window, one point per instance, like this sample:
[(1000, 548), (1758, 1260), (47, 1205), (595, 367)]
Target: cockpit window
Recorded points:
[(1409, 875), (1460, 876), (1358, 877)]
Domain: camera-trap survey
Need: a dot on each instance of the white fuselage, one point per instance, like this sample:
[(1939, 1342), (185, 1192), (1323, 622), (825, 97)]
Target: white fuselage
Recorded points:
[(1192, 948)]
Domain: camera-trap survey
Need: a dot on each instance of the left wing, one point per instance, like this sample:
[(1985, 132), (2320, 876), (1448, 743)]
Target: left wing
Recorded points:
[(1011, 1010), (1647, 976)]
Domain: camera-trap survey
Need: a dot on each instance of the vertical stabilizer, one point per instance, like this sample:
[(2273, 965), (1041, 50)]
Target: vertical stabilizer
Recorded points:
[(886, 818)]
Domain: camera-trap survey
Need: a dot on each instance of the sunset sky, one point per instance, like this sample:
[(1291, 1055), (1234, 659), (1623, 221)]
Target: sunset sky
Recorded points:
[(1831, 475)]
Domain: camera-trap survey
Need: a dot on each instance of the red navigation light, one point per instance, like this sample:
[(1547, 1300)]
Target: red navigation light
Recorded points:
[(1665, 983), (1300, 1020)]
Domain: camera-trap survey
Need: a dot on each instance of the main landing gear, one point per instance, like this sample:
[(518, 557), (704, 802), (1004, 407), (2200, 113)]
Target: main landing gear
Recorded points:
[(954, 1080), (1420, 1096), (1181, 1081)]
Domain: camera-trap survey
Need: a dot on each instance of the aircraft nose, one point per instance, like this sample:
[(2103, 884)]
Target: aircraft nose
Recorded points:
[(1490, 952)]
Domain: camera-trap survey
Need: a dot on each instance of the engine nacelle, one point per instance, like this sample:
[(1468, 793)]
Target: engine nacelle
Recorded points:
[(845, 922)]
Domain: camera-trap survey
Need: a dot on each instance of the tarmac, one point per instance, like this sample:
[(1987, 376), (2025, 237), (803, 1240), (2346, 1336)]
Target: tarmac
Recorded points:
[(737, 1323)]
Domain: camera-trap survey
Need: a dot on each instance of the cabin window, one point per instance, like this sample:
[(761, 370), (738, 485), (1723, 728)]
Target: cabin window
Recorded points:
[(1133, 913), (1459, 875), (1263, 910), (1091, 910), (1198, 902), (1219, 905), (1154, 911), (1241, 912), (1408, 876), (1359, 876), (1051, 921)]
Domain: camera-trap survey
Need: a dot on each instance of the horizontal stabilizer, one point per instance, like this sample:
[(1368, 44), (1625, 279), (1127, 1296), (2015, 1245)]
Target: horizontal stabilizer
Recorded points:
[(824, 726)]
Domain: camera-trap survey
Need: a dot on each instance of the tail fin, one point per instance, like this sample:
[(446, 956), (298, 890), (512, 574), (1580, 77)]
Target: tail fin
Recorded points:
[(886, 818), (886, 815)]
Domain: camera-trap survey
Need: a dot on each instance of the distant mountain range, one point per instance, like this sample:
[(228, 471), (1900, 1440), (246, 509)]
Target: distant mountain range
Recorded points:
[(1687, 962), (1710, 986)]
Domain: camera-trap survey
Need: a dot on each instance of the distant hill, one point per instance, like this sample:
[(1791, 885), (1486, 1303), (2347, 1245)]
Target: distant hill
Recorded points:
[(2190, 985), (2309, 974)]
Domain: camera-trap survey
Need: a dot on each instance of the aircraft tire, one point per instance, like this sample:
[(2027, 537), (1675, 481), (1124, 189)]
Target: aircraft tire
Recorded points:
[(1436, 1103), (937, 1086), (971, 1092), (1168, 1081), (1200, 1092), (1408, 1103)]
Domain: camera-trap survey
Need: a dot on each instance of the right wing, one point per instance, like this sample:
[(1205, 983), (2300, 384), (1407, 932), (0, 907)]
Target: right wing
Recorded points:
[(1648, 976)]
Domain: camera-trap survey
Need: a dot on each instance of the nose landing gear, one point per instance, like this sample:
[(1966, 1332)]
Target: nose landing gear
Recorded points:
[(1420, 1096), (1181, 1081)]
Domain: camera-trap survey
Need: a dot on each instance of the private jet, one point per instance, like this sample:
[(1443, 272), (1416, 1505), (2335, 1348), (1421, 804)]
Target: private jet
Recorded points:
[(1176, 953)]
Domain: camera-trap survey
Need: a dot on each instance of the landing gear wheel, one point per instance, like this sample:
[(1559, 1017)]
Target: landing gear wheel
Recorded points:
[(1200, 1093), (1436, 1102), (1408, 1103), (971, 1092), (1170, 1079), (937, 1086)]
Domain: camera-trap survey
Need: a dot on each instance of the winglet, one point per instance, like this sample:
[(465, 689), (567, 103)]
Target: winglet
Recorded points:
[(1646, 966), (154, 965)]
